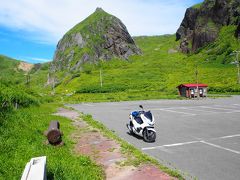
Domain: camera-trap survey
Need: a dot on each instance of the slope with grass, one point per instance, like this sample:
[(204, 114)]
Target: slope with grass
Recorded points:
[(9, 71), (21, 138), (14, 93), (157, 72)]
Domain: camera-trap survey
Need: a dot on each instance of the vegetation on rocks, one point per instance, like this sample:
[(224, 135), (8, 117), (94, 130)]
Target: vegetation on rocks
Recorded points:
[(100, 36), (203, 22)]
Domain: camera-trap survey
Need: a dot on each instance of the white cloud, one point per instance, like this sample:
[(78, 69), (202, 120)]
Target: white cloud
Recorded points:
[(33, 60), (47, 21), (39, 59)]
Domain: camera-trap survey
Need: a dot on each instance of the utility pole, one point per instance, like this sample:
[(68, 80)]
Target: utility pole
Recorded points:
[(101, 83), (196, 73), (53, 84), (28, 80), (237, 56), (237, 63)]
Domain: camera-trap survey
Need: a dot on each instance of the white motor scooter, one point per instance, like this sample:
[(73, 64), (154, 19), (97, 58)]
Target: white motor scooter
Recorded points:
[(142, 124)]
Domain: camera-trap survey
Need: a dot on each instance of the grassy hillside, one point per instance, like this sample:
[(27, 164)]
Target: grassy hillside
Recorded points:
[(8, 70), (157, 72), (15, 91)]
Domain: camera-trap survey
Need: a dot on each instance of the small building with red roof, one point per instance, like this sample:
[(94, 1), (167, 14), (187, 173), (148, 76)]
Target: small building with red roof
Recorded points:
[(192, 90)]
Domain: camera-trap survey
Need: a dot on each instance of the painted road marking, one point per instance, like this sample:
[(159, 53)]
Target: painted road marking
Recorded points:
[(207, 107), (225, 137), (190, 114), (199, 141), (193, 109), (170, 145), (228, 106), (220, 147), (89, 105)]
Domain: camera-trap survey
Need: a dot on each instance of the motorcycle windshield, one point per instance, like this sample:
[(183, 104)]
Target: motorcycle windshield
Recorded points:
[(148, 115)]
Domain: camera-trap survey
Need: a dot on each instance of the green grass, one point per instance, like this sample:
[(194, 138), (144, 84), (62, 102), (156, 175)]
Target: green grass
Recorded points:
[(21, 138)]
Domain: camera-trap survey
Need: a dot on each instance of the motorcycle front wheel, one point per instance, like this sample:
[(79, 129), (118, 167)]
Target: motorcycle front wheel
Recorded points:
[(149, 135)]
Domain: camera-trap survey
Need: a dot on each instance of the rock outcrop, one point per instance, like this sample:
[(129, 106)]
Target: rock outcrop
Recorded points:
[(99, 37), (203, 22), (26, 67)]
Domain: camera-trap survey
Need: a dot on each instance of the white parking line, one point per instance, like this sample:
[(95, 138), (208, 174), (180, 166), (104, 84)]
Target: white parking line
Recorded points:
[(207, 107), (169, 145), (225, 137), (202, 110), (89, 105), (190, 114), (220, 147), (228, 106), (199, 141)]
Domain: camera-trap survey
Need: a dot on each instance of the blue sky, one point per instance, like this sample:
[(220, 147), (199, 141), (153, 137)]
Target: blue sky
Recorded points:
[(30, 30)]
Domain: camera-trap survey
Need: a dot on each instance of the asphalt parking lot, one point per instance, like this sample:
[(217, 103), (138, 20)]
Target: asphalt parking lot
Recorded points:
[(201, 138)]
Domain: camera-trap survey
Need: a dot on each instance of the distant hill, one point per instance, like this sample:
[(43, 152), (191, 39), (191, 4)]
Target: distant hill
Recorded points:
[(9, 72), (101, 36), (14, 72), (8, 65), (203, 22)]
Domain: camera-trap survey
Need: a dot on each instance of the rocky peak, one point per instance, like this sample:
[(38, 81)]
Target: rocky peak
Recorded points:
[(99, 9), (100, 36), (202, 23)]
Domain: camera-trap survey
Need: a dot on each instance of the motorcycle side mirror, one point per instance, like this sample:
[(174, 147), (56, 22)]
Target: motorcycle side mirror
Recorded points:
[(141, 106)]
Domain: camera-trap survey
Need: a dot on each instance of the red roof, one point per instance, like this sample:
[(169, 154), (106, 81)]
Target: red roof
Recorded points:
[(193, 85)]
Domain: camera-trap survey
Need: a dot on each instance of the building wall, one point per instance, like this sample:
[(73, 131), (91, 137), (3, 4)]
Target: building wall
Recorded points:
[(186, 92)]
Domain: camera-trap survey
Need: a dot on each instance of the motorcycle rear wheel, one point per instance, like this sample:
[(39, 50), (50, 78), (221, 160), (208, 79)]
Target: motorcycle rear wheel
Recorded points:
[(149, 135)]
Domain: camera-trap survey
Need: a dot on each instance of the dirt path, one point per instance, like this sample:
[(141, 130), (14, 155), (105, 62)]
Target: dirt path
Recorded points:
[(107, 152)]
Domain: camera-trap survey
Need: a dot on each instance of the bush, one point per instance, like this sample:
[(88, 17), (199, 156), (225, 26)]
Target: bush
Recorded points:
[(224, 89), (13, 97)]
